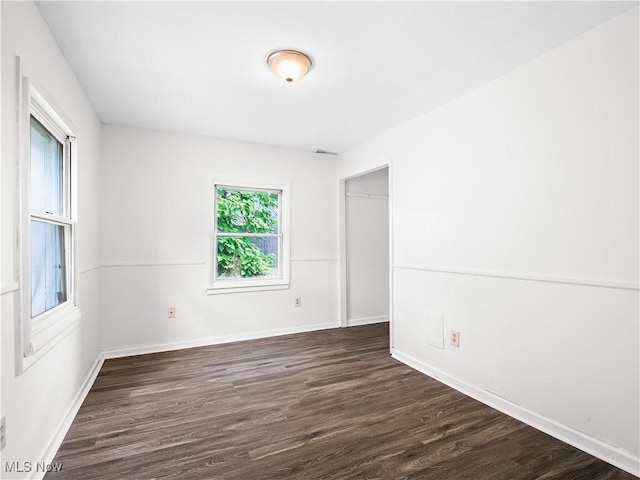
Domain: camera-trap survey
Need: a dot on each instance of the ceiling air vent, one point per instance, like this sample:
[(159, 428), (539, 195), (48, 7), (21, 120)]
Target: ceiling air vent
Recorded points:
[(324, 152)]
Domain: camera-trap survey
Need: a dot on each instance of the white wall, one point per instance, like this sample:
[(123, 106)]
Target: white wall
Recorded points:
[(156, 239), (37, 402), (367, 247), (516, 217)]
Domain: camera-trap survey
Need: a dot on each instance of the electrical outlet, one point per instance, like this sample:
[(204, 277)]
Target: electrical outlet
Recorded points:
[(298, 302), (455, 338), (3, 433), (172, 312)]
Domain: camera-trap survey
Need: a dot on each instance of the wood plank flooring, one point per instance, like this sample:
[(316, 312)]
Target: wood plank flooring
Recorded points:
[(322, 405)]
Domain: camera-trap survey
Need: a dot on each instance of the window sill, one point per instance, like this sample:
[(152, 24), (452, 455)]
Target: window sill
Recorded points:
[(219, 290), (60, 324)]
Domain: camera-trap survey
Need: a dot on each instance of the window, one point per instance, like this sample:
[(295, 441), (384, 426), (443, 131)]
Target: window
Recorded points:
[(50, 223), (47, 228), (250, 238)]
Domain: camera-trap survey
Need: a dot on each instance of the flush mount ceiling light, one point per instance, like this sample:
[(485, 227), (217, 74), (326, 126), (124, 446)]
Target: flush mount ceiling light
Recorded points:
[(289, 65)]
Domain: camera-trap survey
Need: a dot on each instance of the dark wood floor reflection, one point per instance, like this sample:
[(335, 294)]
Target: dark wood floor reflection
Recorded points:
[(323, 405)]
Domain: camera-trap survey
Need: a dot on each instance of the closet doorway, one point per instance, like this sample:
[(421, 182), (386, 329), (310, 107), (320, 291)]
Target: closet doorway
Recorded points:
[(366, 249)]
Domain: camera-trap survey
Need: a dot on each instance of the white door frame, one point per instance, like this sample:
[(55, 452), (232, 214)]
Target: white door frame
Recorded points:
[(342, 218)]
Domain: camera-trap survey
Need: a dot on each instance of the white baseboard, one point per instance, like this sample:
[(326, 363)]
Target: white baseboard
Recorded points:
[(352, 322), (609, 453), (203, 342), (63, 426)]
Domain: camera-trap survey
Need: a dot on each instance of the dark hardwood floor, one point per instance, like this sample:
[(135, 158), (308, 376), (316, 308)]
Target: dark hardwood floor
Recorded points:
[(323, 405)]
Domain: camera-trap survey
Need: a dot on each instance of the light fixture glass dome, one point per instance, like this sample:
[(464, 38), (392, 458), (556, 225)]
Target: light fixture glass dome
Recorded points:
[(289, 65)]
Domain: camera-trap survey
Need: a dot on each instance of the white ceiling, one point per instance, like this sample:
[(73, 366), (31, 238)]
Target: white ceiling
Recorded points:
[(201, 67)]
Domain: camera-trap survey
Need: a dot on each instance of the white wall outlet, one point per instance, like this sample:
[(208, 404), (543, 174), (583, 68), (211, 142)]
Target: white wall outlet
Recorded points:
[(298, 302), (3, 433), (172, 312), (455, 339)]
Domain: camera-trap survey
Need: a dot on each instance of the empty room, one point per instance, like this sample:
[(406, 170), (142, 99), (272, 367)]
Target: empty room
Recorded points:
[(320, 240)]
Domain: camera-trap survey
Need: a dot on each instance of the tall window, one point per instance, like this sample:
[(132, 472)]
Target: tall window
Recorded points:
[(50, 222), (47, 228), (250, 239)]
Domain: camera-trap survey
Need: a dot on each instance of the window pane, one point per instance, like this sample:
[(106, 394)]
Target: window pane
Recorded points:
[(241, 211), (48, 267), (248, 257), (46, 170)]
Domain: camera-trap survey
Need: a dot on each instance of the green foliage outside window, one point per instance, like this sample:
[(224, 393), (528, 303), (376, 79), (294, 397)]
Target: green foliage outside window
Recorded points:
[(245, 212)]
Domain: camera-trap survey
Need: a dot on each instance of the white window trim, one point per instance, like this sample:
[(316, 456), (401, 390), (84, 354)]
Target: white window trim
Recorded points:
[(216, 286), (35, 337)]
